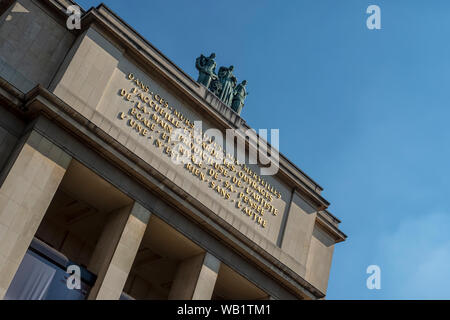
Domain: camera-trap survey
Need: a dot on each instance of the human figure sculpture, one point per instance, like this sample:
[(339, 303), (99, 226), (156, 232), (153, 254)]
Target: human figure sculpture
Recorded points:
[(240, 93), (206, 67), (224, 84), (228, 81), (215, 86)]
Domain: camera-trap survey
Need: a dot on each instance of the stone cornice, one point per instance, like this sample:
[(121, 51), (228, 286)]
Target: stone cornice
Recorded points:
[(325, 219)]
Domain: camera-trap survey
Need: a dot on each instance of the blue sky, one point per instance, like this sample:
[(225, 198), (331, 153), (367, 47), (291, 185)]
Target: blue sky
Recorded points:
[(363, 112)]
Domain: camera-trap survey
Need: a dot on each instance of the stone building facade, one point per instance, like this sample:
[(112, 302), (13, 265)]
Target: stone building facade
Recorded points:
[(86, 177)]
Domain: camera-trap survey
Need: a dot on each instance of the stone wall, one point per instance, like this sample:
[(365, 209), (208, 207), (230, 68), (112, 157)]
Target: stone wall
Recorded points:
[(32, 45)]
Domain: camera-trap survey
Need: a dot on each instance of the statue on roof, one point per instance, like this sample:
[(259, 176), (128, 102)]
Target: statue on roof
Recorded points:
[(228, 81), (206, 67), (240, 93), (223, 84), (215, 86)]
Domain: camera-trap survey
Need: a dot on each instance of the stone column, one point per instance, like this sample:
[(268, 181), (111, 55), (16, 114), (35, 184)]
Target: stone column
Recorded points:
[(116, 250), (195, 278), (30, 181)]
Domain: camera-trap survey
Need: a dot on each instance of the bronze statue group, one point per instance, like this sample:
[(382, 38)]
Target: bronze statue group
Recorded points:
[(223, 84)]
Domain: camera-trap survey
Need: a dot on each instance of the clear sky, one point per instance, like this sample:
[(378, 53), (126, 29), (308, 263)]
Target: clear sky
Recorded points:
[(363, 112)]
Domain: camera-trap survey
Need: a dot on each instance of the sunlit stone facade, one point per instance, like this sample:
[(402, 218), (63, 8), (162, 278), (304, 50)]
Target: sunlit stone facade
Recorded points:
[(87, 178)]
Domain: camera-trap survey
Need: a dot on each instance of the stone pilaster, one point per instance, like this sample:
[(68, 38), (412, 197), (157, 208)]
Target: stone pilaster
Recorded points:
[(30, 181), (298, 232), (116, 250), (195, 278)]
